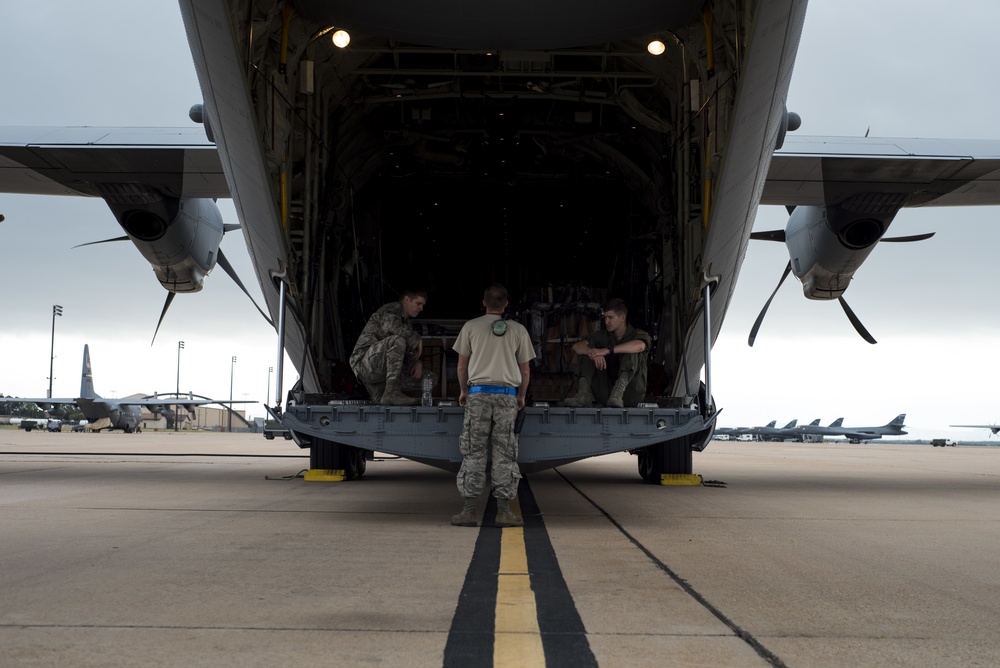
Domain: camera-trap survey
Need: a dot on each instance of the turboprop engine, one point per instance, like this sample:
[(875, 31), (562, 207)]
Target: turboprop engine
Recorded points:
[(827, 245), (180, 239)]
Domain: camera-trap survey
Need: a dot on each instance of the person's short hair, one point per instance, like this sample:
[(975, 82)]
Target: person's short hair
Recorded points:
[(413, 293), (495, 296), (617, 305)]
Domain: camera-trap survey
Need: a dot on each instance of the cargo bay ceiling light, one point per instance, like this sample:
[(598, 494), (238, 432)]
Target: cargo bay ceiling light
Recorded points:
[(341, 39), (656, 47)]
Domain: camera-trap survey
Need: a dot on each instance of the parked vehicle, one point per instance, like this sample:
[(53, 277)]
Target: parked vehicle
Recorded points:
[(274, 428)]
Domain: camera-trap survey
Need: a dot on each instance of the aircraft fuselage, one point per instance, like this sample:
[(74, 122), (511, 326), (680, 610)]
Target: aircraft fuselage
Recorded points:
[(590, 167)]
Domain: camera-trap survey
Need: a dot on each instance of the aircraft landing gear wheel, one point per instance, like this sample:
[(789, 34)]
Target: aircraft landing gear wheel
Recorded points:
[(337, 456), (360, 463), (669, 457), (645, 465)]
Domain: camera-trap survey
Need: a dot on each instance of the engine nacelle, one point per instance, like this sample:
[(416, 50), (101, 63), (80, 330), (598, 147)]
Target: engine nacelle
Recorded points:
[(179, 238), (826, 245)]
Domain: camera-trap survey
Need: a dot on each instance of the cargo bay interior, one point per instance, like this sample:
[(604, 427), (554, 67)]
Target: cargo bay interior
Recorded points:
[(568, 175)]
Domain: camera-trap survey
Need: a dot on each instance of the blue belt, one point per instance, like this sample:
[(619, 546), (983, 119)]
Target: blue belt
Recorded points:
[(492, 389)]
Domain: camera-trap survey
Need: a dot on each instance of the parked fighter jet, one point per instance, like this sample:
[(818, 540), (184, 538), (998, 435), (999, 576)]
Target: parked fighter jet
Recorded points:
[(101, 413), (771, 433), (858, 434)]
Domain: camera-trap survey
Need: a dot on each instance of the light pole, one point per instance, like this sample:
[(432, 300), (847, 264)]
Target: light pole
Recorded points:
[(180, 346), (231, 393), (269, 370), (56, 311)]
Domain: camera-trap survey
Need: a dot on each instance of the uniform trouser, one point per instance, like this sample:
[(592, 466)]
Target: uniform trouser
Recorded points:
[(383, 360), (489, 427), (602, 381)]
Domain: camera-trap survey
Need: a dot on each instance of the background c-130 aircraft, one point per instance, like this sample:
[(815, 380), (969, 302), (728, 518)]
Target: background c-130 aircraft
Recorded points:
[(328, 152), (102, 413)]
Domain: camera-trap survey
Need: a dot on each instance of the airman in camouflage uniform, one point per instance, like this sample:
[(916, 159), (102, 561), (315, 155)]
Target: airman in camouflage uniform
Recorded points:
[(481, 426), (493, 374), (388, 350), (613, 362)]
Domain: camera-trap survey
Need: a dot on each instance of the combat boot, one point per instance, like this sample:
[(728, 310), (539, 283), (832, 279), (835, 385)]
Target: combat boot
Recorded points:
[(616, 399), (375, 391), (584, 395), (505, 516), (466, 518), (394, 397)]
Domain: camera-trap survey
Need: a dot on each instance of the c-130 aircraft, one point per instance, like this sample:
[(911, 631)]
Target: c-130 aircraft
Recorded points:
[(105, 413), (561, 128)]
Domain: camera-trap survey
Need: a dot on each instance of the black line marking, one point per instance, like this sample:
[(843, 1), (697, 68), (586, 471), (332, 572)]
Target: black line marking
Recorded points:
[(741, 633), (470, 639), (472, 634), (564, 638)]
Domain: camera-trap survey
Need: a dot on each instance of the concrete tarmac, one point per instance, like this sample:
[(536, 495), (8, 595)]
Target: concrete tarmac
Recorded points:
[(165, 549)]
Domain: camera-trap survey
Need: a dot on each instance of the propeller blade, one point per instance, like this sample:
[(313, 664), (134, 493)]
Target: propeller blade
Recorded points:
[(102, 241), (770, 235), (228, 268), (760, 318), (166, 305), (857, 323), (915, 237)]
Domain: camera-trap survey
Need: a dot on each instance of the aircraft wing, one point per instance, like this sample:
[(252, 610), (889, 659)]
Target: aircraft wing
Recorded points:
[(108, 403), (36, 400), (823, 171), (102, 161), (164, 401)]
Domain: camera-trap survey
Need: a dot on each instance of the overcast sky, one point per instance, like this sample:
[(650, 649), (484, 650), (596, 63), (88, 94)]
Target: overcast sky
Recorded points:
[(893, 68)]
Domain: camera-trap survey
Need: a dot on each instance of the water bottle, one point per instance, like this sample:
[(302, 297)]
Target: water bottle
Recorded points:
[(427, 389)]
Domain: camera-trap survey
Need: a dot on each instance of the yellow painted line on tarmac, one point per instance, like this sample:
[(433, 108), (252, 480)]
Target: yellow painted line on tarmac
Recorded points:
[(517, 640)]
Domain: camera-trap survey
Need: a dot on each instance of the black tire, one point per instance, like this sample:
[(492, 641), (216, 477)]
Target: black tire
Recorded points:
[(670, 457), (645, 471), (337, 456), (360, 462)]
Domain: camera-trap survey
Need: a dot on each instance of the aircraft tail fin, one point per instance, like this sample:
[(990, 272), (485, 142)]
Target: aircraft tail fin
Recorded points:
[(772, 423), (839, 422), (898, 421), (791, 425), (814, 423), (86, 379)]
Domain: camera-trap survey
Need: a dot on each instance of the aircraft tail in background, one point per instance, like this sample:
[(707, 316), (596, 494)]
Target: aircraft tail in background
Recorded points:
[(86, 379), (897, 422)]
